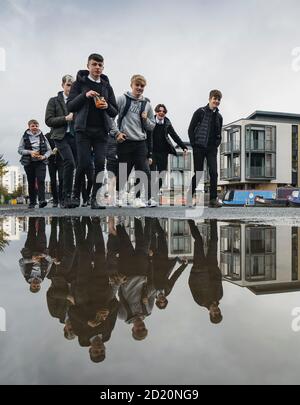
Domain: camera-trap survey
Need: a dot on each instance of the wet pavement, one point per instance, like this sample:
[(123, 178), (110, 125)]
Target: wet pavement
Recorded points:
[(285, 216), (135, 300)]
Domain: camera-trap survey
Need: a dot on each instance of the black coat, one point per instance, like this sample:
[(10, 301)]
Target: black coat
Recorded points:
[(80, 316), (205, 281), (78, 102), (169, 130), (196, 122), (55, 116)]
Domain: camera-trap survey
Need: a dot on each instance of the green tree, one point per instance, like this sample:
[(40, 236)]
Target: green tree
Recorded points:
[(3, 165), (18, 192)]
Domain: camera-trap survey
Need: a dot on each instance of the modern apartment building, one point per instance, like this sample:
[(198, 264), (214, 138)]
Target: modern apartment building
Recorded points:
[(260, 152), (12, 179), (251, 256)]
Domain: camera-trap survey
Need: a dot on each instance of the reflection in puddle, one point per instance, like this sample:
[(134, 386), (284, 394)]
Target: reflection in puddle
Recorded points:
[(97, 273)]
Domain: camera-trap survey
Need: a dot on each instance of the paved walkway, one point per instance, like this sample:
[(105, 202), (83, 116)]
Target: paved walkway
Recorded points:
[(285, 216)]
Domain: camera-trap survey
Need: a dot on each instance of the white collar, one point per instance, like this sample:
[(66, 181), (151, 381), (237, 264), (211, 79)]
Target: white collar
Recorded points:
[(160, 122), (65, 97), (93, 80)]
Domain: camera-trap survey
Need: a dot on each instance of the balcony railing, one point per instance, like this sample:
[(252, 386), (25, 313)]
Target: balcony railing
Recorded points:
[(260, 146), (230, 147), (231, 173), (260, 172)]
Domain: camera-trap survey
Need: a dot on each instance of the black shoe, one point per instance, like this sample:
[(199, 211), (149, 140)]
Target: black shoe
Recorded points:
[(31, 206), (84, 204), (88, 202), (68, 203), (96, 206), (215, 203), (43, 204), (55, 205), (76, 202)]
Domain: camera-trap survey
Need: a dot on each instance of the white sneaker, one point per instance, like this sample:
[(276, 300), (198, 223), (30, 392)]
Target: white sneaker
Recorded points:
[(138, 203), (130, 198), (121, 201), (152, 203)]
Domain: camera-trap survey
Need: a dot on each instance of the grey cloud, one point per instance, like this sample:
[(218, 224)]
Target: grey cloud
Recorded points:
[(183, 48)]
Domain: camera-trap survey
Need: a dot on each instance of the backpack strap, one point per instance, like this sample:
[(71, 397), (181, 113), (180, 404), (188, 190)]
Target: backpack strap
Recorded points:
[(27, 143), (126, 109), (143, 107), (124, 112)]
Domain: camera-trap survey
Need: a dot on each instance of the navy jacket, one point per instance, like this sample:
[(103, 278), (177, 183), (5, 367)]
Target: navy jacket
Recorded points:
[(196, 123), (78, 102)]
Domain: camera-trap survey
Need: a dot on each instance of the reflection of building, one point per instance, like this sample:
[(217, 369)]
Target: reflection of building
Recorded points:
[(261, 258), (179, 238), (260, 152), (12, 179), (12, 227)]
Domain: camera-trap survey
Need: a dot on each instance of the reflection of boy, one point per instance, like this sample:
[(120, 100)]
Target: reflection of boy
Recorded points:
[(206, 278)]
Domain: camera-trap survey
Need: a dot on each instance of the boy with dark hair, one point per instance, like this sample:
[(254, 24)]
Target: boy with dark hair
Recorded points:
[(35, 151), (162, 145), (92, 99), (205, 133), (205, 280)]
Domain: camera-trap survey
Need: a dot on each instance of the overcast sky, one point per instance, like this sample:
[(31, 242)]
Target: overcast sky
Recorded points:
[(184, 48)]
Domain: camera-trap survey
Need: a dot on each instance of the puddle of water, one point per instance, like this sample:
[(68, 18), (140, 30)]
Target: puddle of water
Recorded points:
[(148, 301)]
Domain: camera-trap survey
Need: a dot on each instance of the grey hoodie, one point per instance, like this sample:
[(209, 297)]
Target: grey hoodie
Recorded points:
[(131, 124)]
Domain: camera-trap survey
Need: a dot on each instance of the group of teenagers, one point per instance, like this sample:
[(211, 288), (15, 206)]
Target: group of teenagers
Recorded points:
[(93, 134)]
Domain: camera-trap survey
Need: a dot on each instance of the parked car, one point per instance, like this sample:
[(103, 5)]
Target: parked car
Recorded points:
[(294, 199), (242, 198), (281, 198)]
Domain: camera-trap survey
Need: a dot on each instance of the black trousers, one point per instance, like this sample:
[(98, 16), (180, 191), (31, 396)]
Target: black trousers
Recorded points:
[(90, 140), (68, 152), (135, 155), (54, 170), (36, 241), (87, 183), (211, 158), (160, 165), (36, 174)]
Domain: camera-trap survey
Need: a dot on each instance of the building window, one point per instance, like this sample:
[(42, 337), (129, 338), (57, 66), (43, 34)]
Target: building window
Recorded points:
[(260, 254), (260, 152), (295, 162), (230, 154), (230, 243)]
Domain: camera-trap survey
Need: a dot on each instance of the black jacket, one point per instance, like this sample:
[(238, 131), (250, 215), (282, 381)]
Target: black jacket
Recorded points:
[(196, 122), (78, 102), (169, 130), (205, 280), (55, 116)]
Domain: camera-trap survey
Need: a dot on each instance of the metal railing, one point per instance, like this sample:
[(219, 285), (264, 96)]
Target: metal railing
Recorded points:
[(260, 145), (260, 172), (230, 147), (231, 173)]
